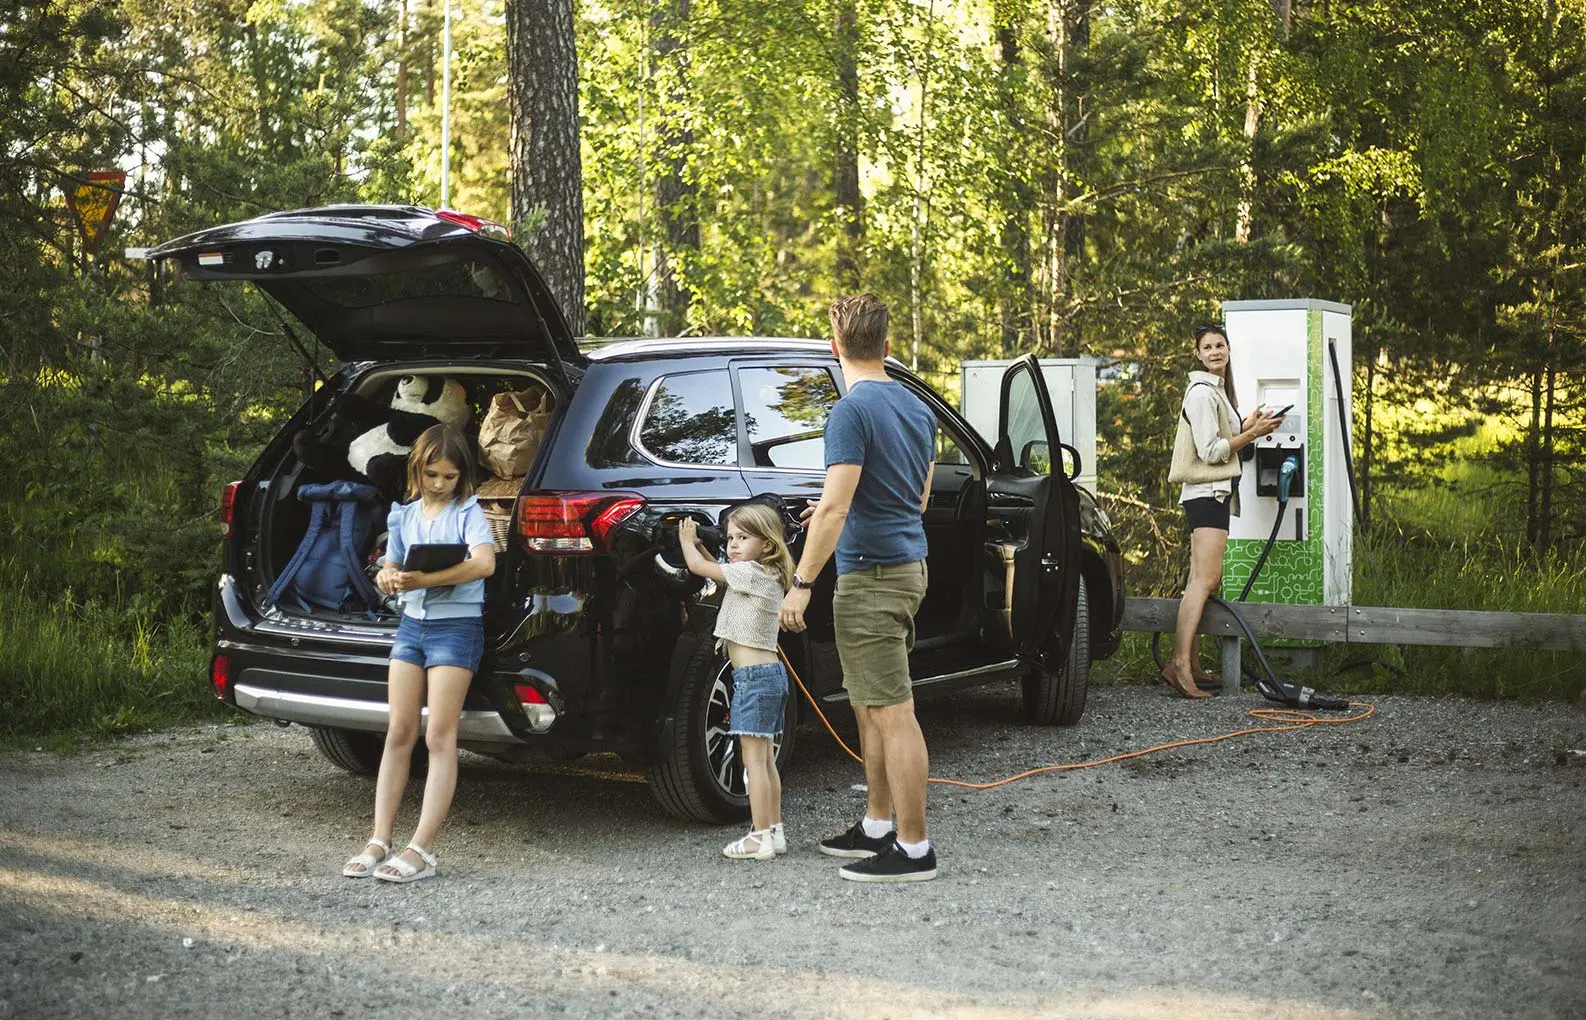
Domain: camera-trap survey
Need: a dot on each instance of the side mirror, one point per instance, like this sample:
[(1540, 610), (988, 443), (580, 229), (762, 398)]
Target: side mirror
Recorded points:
[(1074, 471), (1036, 457)]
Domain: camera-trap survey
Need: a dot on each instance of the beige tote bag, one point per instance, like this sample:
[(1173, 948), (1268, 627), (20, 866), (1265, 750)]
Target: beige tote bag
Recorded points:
[(1187, 467)]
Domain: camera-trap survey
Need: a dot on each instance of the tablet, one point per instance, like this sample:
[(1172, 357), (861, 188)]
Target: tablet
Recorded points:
[(430, 557)]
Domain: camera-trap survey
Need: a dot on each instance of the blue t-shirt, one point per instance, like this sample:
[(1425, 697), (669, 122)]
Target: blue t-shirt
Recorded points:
[(462, 522), (891, 435)]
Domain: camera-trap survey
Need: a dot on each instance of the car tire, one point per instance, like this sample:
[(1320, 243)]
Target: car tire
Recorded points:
[(1057, 697), (699, 776), (359, 752)]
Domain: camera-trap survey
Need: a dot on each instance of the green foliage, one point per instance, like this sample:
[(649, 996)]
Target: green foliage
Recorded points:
[(1408, 566), (91, 668), (1049, 176)]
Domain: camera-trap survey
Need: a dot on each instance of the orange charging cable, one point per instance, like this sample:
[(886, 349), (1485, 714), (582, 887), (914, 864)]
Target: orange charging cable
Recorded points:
[(1291, 720)]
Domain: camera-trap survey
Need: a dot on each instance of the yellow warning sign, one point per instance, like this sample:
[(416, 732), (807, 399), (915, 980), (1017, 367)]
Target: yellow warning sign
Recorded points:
[(93, 202)]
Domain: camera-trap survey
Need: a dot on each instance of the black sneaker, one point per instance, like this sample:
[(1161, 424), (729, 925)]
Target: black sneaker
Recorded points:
[(892, 865), (854, 843)]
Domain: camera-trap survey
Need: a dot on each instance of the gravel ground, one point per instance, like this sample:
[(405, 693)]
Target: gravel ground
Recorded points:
[(1424, 863)]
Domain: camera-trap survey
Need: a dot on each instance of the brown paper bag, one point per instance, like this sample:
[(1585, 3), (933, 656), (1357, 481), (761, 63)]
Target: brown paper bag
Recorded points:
[(511, 432)]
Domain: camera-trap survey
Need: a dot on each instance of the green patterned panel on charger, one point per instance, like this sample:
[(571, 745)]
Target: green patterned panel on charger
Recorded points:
[(1293, 571)]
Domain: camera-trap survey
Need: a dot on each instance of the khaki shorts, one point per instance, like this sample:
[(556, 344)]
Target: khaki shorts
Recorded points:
[(873, 610)]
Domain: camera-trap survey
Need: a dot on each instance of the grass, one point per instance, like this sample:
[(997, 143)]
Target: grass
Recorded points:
[(73, 671), (1408, 567)]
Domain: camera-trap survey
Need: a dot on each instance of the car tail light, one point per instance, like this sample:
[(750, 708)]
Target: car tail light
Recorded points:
[(478, 224), (228, 504), (220, 676), (540, 713), (572, 522)]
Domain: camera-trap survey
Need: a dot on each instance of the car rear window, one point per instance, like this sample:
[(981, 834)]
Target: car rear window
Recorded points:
[(448, 279), (691, 420)]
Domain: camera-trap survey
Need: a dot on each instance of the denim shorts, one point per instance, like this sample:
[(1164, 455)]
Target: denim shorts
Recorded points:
[(452, 641), (759, 695)]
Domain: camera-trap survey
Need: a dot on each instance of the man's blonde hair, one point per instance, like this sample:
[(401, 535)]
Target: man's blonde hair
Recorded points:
[(859, 324)]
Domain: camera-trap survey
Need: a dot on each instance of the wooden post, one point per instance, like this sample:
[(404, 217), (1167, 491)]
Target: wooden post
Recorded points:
[(1231, 669)]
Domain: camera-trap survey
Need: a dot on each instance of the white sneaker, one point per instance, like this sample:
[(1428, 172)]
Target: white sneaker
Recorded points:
[(757, 846), (778, 839)]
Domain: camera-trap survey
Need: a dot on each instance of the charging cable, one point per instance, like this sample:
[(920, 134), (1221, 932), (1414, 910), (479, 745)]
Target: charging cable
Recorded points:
[(1286, 721)]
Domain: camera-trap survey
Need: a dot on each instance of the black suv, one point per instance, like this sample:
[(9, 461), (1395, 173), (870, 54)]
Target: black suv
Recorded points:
[(596, 642)]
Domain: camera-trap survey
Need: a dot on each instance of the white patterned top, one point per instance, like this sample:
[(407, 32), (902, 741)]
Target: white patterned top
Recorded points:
[(748, 614)]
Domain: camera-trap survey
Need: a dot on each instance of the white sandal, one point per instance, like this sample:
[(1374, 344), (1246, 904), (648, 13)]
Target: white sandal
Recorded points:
[(406, 872), (764, 847), (366, 860)]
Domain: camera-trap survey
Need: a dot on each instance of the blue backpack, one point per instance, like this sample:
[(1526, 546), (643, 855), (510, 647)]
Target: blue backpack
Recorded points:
[(327, 571)]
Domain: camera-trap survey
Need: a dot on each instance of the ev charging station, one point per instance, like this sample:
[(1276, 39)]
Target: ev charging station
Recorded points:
[(1295, 492)]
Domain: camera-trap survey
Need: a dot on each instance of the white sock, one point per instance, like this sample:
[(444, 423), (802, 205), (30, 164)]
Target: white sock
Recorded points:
[(916, 850), (875, 829)]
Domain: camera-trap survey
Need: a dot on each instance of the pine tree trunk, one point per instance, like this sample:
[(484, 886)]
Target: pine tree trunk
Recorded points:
[(675, 196), (1068, 24), (1533, 458), (1281, 9), (547, 172), (429, 61), (1367, 446), (1076, 139), (402, 71), (1548, 451), (547, 175), (850, 211), (1013, 302), (1247, 168)]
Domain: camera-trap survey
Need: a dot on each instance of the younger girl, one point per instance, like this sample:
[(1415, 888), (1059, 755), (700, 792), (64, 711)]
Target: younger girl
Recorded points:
[(758, 570), (438, 645)]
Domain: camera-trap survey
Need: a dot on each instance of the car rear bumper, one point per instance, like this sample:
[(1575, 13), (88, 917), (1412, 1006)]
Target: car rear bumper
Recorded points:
[(476, 730)]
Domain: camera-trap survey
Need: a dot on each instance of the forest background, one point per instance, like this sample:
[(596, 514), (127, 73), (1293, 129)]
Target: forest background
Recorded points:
[(1061, 177)]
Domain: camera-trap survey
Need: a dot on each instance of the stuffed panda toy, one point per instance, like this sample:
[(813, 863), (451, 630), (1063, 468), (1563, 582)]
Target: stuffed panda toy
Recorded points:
[(380, 453)]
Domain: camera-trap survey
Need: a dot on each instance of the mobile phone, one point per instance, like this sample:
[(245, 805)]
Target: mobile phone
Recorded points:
[(1282, 413)]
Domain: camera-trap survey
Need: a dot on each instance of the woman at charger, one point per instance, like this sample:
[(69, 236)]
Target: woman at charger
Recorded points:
[(1206, 463)]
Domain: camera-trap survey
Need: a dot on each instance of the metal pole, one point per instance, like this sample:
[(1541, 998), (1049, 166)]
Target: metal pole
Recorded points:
[(446, 107)]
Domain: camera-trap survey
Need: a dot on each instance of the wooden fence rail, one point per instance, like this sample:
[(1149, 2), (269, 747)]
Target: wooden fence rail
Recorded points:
[(1364, 625)]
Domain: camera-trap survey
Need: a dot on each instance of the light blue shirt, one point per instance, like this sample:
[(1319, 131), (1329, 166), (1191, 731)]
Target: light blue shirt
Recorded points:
[(464, 522)]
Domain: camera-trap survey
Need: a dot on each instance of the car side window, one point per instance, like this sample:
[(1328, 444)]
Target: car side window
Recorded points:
[(691, 420), (784, 414), (947, 448), (1026, 426)]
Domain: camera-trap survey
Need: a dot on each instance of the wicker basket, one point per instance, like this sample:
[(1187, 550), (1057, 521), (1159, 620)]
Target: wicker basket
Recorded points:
[(496, 496)]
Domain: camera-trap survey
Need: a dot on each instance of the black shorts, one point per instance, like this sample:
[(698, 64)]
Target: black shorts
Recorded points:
[(1207, 512)]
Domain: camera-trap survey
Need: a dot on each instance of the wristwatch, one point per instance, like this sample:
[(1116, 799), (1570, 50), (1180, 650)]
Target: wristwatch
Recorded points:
[(799, 582)]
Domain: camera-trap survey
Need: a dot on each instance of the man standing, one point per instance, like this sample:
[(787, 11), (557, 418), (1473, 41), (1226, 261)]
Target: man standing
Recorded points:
[(879, 443)]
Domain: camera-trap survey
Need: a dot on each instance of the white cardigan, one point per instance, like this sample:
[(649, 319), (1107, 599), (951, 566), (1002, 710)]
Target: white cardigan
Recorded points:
[(1200, 405)]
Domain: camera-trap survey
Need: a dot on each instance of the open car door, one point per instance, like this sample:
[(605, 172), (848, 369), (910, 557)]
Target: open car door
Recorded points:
[(1032, 535)]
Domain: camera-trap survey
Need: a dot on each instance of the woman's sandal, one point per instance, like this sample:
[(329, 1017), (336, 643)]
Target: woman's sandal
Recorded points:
[(406, 872), (363, 865), (764, 847), (1185, 690)]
